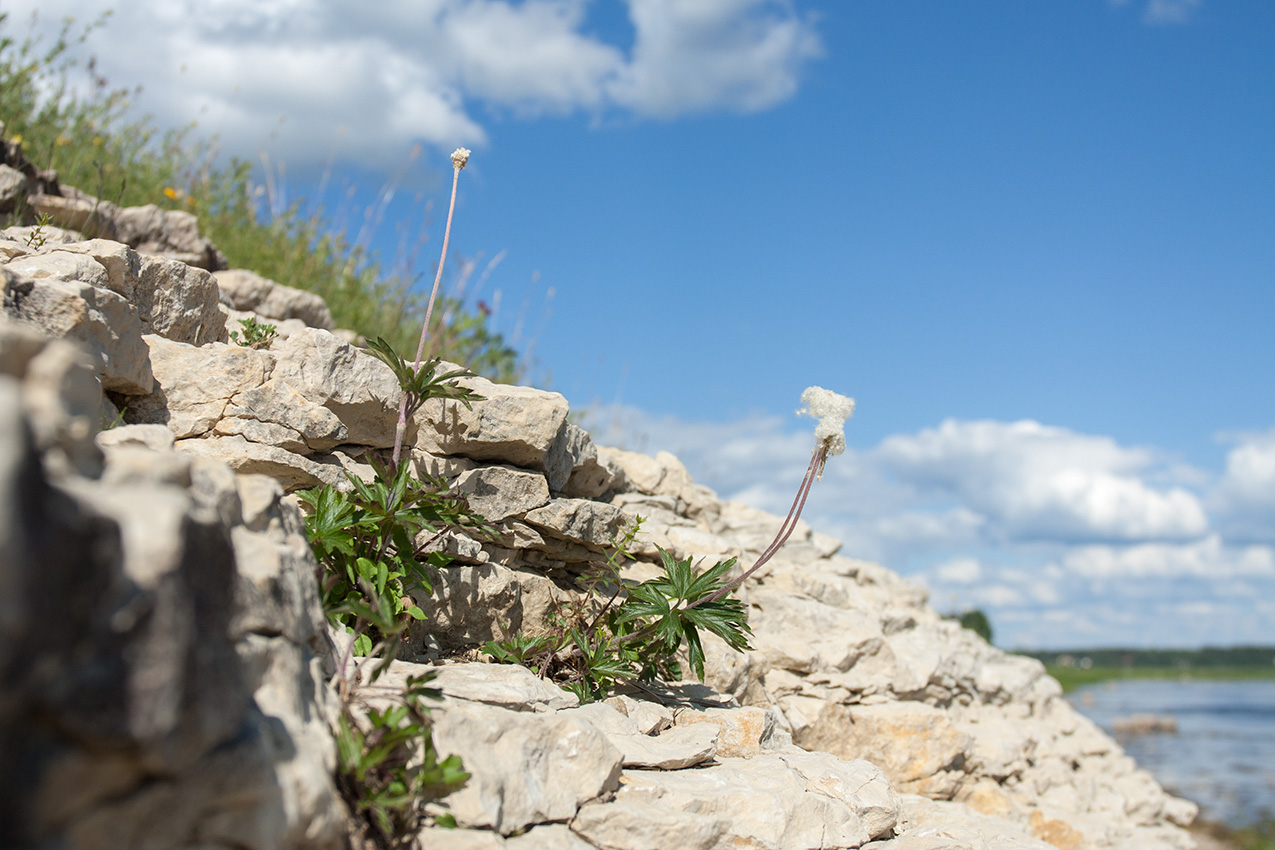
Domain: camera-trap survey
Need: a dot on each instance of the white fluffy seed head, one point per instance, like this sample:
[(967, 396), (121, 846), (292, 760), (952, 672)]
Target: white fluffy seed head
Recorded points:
[(832, 410), (460, 156)]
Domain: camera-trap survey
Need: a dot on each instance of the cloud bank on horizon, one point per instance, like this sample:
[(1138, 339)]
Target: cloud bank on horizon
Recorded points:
[(434, 71), (1064, 539)]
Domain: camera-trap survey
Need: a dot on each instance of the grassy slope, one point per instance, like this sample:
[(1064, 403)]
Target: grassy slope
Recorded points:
[(93, 144)]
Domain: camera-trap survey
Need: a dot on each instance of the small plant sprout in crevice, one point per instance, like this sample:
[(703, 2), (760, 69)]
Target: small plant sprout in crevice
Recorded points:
[(254, 334)]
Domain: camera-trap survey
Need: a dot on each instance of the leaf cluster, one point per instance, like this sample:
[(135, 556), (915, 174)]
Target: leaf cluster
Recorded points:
[(372, 547), (37, 237), (388, 767), (620, 631), (422, 382), (255, 335)]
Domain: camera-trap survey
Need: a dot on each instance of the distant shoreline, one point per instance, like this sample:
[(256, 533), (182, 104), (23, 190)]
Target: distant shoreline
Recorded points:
[(1073, 677), (1076, 667)]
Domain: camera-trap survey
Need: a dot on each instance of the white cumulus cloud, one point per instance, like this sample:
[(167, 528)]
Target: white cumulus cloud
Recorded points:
[(959, 571), (1164, 12), (319, 80), (1244, 497), (744, 55), (1203, 559), (1169, 11), (1037, 482)]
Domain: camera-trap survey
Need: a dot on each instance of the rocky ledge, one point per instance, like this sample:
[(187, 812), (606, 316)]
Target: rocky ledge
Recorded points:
[(166, 663)]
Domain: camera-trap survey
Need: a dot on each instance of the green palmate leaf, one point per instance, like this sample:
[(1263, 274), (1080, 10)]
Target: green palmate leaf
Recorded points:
[(349, 741), (725, 618), (646, 600), (384, 352), (327, 527), (366, 540), (709, 581), (421, 384), (521, 647), (694, 651)]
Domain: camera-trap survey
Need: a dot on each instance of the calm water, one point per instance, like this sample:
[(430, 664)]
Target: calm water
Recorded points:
[(1223, 755)]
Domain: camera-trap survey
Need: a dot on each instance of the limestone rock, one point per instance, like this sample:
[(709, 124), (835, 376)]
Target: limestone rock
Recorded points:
[(299, 425), (552, 836), (291, 470), (572, 461), (744, 732), (513, 425), (354, 385), (179, 301), (154, 437), (500, 492), (169, 233), (643, 826), (104, 323), (85, 215), (169, 297), (506, 686), (676, 748), (246, 291), (932, 825), (915, 744), (192, 408), (13, 189), (145, 722), (768, 802), (647, 717), (593, 525), (527, 768), (63, 401), (458, 611)]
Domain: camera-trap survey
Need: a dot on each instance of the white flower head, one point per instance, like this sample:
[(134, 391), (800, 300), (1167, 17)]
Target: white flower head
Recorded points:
[(460, 156), (832, 410)]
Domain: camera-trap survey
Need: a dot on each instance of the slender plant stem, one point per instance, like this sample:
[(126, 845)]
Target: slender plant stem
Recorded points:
[(400, 430), (785, 530), (447, 234)]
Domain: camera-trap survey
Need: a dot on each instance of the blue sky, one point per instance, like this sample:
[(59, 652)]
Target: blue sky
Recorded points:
[(1036, 241)]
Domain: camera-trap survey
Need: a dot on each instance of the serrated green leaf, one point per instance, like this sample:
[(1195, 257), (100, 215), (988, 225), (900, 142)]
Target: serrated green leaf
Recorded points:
[(709, 581), (694, 651)]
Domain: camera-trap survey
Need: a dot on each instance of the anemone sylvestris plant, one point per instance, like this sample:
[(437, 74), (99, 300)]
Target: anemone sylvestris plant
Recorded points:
[(635, 631), (832, 410), (460, 157)]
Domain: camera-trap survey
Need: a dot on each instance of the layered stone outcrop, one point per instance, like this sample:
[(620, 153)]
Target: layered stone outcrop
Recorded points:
[(165, 659), (164, 656)]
